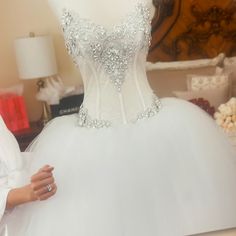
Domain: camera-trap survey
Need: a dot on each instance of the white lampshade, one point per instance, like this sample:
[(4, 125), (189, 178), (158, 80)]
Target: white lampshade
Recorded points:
[(35, 57)]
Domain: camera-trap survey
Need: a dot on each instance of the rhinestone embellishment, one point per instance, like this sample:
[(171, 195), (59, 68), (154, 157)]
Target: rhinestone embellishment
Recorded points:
[(84, 120), (112, 50), (151, 111)]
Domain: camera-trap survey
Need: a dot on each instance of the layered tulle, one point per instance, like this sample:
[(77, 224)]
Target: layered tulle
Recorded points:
[(173, 174)]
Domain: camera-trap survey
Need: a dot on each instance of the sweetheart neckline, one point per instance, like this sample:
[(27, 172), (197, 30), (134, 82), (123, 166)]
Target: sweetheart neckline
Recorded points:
[(111, 29)]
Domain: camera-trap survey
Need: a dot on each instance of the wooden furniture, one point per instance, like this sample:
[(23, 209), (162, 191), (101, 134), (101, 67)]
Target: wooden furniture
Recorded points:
[(193, 29), (26, 136)]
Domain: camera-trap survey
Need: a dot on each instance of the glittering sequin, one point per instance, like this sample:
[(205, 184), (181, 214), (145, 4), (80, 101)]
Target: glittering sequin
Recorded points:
[(113, 50)]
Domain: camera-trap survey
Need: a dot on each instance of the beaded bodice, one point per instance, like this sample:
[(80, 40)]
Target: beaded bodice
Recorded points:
[(112, 64)]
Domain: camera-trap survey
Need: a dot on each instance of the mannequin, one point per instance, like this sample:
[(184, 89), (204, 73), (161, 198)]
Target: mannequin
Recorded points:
[(87, 9)]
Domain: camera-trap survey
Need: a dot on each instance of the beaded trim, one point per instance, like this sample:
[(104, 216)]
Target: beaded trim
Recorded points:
[(84, 119), (151, 111)]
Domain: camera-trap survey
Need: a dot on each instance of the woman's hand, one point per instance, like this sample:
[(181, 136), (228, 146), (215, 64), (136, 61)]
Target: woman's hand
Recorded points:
[(42, 187), (43, 184)]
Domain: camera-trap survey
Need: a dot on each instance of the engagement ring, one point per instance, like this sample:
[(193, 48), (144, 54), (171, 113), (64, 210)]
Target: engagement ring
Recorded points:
[(49, 187)]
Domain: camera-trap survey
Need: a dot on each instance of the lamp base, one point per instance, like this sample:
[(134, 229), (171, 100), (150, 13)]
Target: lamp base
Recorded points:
[(46, 114)]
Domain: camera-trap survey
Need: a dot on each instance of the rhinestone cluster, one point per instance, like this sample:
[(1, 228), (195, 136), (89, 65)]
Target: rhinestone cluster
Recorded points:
[(84, 120), (112, 50), (151, 111)]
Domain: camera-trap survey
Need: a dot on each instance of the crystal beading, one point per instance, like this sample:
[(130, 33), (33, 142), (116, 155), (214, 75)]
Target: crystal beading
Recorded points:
[(84, 120), (113, 50), (151, 111), (110, 50)]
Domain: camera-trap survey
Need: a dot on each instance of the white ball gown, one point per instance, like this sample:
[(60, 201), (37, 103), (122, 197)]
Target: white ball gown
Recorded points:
[(129, 164)]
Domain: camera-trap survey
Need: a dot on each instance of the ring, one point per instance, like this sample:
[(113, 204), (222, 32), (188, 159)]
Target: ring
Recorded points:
[(49, 187)]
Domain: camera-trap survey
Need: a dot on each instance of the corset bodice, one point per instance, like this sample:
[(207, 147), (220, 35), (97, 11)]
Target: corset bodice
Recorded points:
[(112, 63)]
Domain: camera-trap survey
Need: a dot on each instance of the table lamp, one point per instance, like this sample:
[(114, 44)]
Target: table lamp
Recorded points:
[(35, 58)]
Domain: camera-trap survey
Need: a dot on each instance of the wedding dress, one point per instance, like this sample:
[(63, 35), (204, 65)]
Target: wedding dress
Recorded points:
[(129, 164)]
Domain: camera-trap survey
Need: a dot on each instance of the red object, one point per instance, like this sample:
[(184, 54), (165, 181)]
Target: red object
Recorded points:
[(13, 112), (204, 104)]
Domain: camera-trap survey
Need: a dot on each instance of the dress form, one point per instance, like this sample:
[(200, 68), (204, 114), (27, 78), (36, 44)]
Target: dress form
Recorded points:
[(107, 13)]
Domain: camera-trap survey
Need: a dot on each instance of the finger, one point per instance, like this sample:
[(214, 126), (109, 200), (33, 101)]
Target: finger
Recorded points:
[(47, 169), (44, 167), (40, 184), (44, 190), (48, 195), (40, 176)]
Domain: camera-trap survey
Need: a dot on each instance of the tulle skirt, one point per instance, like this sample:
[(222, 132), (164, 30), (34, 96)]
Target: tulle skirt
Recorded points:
[(171, 175)]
